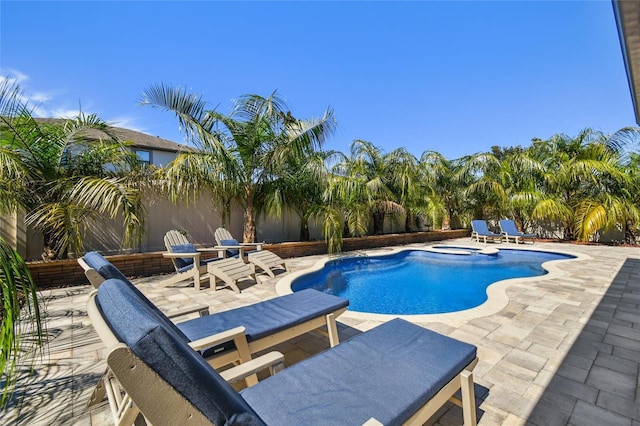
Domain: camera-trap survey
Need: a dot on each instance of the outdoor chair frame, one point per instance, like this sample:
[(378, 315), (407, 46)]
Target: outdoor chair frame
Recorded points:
[(162, 396)]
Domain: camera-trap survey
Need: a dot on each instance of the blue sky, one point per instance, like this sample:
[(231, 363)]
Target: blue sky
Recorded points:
[(455, 77)]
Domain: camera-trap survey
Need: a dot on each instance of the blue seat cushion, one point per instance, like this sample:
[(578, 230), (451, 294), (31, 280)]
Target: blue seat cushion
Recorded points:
[(510, 228), (230, 252), (184, 263), (102, 266), (202, 263), (166, 352), (264, 318), (387, 373), (481, 227)]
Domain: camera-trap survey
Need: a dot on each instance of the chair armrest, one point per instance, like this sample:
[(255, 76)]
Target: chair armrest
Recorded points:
[(223, 254), (272, 360), (203, 310), (194, 255), (216, 339), (258, 246)]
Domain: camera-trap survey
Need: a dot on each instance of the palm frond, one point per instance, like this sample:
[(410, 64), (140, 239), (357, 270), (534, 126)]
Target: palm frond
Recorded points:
[(112, 196), (21, 331)]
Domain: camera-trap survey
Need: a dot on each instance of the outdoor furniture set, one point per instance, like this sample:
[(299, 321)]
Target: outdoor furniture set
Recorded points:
[(229, 267), (173, 373)]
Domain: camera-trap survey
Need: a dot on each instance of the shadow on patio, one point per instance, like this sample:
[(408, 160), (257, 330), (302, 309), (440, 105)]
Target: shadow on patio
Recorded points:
[(597, 382)]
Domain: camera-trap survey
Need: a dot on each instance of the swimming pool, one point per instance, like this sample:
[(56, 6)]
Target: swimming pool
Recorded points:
[(411, 282)]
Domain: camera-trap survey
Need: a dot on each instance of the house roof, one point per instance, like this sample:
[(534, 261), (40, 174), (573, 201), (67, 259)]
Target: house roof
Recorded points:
[(627, 15), (140, 140)]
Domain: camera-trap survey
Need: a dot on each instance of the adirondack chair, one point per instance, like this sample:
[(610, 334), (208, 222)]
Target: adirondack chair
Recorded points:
[(264, 259), (185, 255)]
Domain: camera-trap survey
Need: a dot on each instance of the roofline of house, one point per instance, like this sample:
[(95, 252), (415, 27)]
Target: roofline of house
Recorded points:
[(627, 16)]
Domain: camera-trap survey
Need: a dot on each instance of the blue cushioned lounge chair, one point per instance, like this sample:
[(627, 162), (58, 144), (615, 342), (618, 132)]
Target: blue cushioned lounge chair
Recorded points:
[(480, 229), (230, 336), (267, 323), (397, 373), (510, 231)]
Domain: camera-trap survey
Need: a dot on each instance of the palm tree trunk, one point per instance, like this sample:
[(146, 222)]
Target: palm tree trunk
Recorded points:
[(568, 233), (49, 253), (408, 222), (629, 233), (304, 230), (249, 234), (446, 222), (378, 223), (226, 213), (346, 233)]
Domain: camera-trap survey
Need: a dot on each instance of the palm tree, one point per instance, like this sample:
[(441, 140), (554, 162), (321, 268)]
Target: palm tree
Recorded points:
[(632, 168), (360, 184), (239, 154), (504, 185), (486, 192), (585, 185), (61, 177), (410, 190), (300, 186), (445, 188)]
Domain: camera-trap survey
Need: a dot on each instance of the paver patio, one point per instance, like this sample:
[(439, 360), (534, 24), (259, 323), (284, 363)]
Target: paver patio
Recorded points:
[(562, 351)]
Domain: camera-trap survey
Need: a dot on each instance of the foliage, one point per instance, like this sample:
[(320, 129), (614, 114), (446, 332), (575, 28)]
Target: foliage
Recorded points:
[(586, 182), (65, 173), (445, 184), (300, 186), (21, 332), (241, 154)]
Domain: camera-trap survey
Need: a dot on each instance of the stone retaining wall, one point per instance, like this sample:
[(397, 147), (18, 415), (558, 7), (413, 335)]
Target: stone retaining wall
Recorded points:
[(69, 273)]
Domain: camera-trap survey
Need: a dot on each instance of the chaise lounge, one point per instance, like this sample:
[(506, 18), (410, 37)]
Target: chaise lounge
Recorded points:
[(480, 229), (267, 323), (510, 231), (230, 336), (397, 373)]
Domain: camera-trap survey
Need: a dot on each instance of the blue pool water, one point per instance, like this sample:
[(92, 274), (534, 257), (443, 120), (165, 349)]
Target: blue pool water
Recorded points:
[(420, 282)]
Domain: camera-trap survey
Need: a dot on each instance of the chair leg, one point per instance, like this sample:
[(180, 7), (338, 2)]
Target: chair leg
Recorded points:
[(196, 278), (332, 330), (468, 398)]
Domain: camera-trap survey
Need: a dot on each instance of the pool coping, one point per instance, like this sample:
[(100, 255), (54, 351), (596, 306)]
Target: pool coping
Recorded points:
[(497, 298)]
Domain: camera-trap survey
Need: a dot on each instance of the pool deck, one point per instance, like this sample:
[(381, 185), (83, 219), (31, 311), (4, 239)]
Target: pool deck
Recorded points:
[(561, 349)]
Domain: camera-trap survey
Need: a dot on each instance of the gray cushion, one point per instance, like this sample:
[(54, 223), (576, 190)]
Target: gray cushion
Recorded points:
[(264, 318), (167, 353), (388, 373)]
